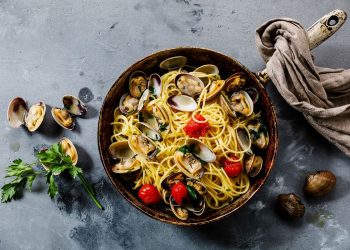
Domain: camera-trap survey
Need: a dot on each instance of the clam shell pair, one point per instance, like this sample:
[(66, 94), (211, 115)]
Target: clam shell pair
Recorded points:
[(65, 117), (18, 114)]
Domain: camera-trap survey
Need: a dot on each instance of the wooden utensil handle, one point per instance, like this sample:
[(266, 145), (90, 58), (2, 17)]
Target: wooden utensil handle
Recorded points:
[(319, 32)]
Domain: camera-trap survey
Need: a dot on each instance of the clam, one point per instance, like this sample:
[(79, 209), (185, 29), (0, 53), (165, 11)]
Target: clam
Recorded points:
[(179, 211), (214, 89), (209, 69), (243, 140), (74, 105), (63, 118), (148, 131), (35, 116), (196, 203), (120, 150), (200, 150), (200, 188), (226, 105), (155, 85), (137, 83), (143, 100), (147, 117), (258, 134), (182, 103), (172, 179), (143, 146), (319, 183), (189, 84), (235, 82), (253, 93), (128, 104), (18, 114), (242, 103), (126, 161), (290, 205), (253, 165), (68, 148), (126, 166), (172, 63), (188, 164)]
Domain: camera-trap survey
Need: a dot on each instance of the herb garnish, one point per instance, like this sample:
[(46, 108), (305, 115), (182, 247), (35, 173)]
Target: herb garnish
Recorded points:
[(192, 192), (163, 127), (187, 149), (56, 162)]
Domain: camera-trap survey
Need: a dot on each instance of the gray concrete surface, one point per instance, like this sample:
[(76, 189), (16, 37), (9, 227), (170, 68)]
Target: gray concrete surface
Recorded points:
[(50, 48)]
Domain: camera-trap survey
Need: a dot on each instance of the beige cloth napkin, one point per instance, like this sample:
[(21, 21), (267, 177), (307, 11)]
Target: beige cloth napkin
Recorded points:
[(321, 94)]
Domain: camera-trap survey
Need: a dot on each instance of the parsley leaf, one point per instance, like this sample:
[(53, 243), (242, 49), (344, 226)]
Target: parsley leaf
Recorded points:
[(192, 192), (163, 127), (24, 178), (187, 148)]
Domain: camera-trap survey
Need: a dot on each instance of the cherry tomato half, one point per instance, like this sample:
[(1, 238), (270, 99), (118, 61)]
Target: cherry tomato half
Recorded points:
[(149, 194), (179, 192), (232, 169), (196, 129)]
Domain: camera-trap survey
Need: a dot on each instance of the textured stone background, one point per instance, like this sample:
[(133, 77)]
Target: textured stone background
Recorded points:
[(51, 48)]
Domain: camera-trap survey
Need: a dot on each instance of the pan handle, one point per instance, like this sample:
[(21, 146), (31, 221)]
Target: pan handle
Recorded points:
[(319, 32)]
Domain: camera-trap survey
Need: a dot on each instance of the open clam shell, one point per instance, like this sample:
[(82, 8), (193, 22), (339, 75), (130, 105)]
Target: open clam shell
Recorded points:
[(244, 140), (147, 117), (209, 69), (226, 105), (68, 148), (74, 105), (128, 104), (182, 103), (137, 83), (148, 131), (63, 118), (179, 211), (189, 84), (259, 134), (235, 82), (201, 150), (253, 165), (253, 93), (172, 63), (242, 103), (16, 112), (189, 164), (125, 166), (143, 100), (143, 146), (172, 179), (35, 116), (215, 89), (120, 150), (155, 85)]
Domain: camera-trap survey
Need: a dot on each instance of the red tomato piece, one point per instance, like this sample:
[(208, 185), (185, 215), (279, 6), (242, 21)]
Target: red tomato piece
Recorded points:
[(232, 169), (179, 192), (196, 129), (149, 194)]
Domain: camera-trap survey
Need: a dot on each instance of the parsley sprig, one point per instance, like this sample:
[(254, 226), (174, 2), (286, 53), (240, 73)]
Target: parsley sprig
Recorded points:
[(56, 162)]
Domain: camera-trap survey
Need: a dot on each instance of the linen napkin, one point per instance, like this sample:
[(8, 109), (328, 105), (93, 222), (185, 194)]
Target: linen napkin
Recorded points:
[(321, 94)]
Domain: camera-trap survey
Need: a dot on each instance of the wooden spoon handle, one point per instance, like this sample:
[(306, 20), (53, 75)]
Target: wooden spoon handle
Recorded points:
[(319, 32)]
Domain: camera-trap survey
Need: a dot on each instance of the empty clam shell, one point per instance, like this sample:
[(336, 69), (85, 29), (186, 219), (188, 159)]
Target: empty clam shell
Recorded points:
[(209, 69), (319, 183), (143, 100), (253, 93), (290, 205), (74, 105), (63, 118), (155, 85), (148, 131), (120, 150), (172, 63), (35, 116), (137, 83), (201, 150), (126, 166), (16, 112), (128, 104), (189, 84), (182, 103), (243, 139)]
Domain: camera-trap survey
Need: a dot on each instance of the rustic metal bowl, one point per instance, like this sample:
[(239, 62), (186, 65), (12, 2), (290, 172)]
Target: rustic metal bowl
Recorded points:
[(196, 57)]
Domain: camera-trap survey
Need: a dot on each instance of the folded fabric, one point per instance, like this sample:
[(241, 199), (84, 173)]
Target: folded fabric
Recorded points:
[(321, 94)]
